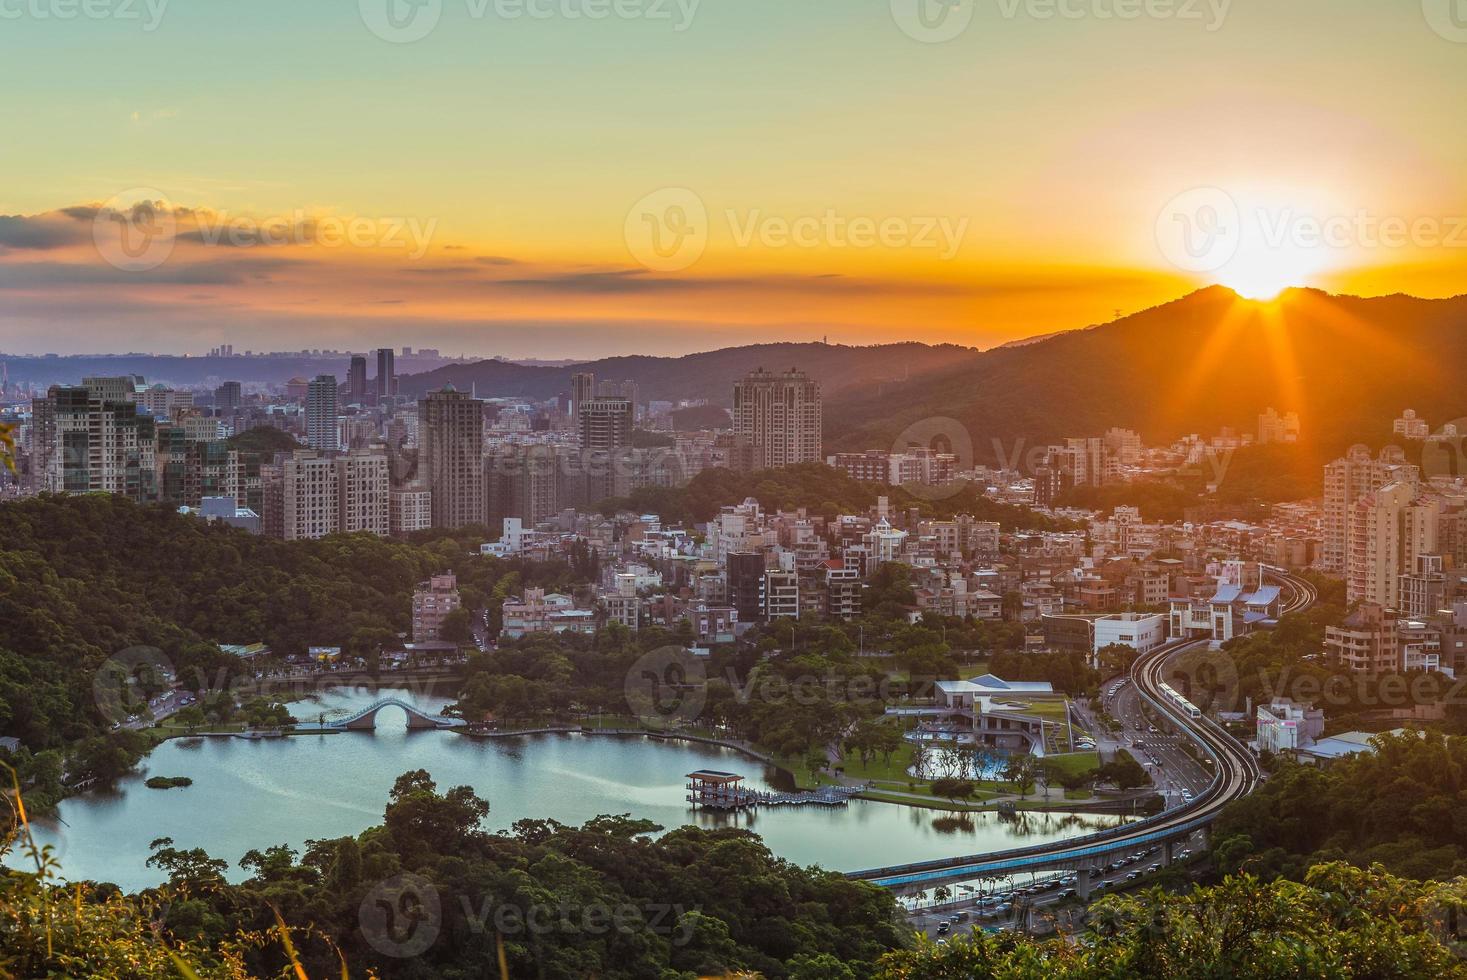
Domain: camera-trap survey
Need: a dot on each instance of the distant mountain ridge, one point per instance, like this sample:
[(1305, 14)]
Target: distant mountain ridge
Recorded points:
[(709, 375), (1347, 365)]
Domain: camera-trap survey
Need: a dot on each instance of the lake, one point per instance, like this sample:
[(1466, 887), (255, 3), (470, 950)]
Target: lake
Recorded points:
[(256, 794)]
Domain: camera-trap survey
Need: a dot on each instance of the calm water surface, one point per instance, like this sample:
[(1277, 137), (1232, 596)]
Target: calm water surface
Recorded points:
[(256, 794)]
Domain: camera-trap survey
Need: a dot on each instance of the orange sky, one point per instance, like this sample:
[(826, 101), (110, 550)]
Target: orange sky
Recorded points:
[(745, 172)]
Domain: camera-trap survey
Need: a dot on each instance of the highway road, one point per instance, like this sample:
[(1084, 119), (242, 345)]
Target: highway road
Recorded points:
[(1235, 773)]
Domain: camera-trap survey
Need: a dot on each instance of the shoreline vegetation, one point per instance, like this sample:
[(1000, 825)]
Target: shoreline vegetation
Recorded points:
[(168, 782)]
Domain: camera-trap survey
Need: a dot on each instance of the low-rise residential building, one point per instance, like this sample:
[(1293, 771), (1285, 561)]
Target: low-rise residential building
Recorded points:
[(432, 602), (1366, 643), (1284, 725), (539, 612)]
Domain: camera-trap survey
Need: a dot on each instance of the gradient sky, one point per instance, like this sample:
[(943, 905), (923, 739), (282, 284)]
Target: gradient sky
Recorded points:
[(519, 149)]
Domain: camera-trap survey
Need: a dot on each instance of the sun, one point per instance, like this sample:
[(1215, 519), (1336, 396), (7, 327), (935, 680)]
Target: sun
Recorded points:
[(1262, 273)]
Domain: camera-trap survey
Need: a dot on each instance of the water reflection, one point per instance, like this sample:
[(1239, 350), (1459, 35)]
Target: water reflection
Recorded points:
[(255, 794)]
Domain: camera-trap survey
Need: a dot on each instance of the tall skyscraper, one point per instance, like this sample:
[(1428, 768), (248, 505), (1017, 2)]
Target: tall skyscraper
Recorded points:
[(356, 381), (777, 419), (386, 374), (583, 389), (1346, 482), (451, 456), (322, 413)]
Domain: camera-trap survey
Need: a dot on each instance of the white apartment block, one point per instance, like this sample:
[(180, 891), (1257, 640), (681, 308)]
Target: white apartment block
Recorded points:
[(411, 510)]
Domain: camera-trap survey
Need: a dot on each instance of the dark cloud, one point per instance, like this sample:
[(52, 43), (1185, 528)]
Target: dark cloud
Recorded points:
[(30, 275), (41, 232)]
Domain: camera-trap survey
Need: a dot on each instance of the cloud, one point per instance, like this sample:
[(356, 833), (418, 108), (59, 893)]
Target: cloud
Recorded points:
[(43, 232)]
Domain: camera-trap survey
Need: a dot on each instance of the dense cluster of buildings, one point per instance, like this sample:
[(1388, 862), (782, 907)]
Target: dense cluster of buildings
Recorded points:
[(377, 463), (372, 461)]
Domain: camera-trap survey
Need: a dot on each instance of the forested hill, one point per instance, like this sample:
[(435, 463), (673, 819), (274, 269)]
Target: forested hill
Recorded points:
[(709, 375), (1348, 366), (82, 578)]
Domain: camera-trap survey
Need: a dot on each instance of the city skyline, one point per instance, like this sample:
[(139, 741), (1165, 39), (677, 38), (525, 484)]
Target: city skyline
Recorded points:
[(979, 188)]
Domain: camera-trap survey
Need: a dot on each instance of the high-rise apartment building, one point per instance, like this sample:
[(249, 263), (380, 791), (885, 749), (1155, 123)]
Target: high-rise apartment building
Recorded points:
[(1347, 481), (228, 397), (356, 381), (777, 419), (311, 494), (363, 490), (583, 389), (412, 510), (94, 444), (386, 374), (451, 456), (321, 414), (1389, 530), (308, 497), (604, 424)]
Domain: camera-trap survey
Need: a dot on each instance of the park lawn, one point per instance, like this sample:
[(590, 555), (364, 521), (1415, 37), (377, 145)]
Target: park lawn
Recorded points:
[(1073, 763), (969, 671), (880, 769)]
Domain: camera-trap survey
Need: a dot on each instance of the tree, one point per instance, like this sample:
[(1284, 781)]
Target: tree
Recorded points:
[(457, 627)]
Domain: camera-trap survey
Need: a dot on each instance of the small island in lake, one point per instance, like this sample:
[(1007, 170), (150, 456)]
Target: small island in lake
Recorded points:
[(168, 782)]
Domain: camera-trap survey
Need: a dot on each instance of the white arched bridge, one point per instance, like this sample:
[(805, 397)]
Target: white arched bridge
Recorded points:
[(365, 720)]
